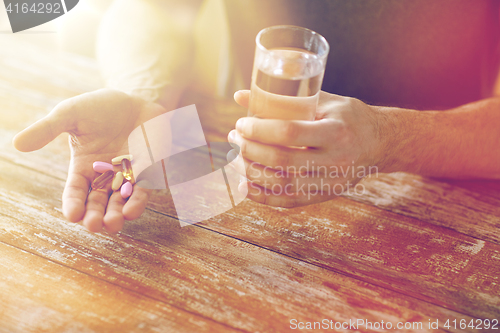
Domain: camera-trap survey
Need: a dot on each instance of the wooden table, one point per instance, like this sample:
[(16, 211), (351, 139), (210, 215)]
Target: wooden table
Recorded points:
[(409, 250)]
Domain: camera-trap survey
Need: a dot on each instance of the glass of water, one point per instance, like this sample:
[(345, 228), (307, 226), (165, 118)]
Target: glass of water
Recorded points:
[(287, 73)]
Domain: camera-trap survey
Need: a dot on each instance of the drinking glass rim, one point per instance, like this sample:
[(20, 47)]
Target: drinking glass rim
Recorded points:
[(292, 27)]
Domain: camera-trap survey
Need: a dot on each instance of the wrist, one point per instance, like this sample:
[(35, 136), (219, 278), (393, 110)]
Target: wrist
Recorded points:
[(400, 133), (144, 94), (167, 97), (387, 123)]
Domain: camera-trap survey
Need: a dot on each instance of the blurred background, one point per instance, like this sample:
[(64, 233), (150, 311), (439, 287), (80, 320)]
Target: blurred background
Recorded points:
[(380, 67)]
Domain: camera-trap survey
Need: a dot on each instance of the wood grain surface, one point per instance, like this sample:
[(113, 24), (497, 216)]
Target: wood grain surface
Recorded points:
[(410, 249)]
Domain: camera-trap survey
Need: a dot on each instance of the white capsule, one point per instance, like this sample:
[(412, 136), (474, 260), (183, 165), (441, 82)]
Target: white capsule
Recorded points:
[(118, 160), (117, 181)]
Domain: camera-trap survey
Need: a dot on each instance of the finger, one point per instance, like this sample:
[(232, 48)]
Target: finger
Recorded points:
[(137, 202), (242, 97), (74, 196), (96, 206), (297, 133), (278, 180), (113, 219), (274, 156), (282, 199), (44, 130)]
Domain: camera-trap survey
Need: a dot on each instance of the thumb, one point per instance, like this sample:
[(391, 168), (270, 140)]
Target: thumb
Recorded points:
[(44, 130), (242, 97)]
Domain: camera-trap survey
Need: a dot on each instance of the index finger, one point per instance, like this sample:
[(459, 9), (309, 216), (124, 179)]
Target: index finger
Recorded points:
[(298, 133)]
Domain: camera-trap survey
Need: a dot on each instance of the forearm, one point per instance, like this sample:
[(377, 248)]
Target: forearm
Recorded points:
[(459, 143), (144, 51)]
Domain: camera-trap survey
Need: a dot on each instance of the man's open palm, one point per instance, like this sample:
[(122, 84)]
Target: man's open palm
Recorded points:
[(99, 124)]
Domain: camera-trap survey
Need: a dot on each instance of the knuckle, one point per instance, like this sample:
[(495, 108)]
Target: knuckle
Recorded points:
[(343, 134), (282, 181), (243, 148), (347, 137), (280, 158), (290, 203), (252, 130), (252, 170), (267, 172), (290, 131), (352, 102), (343, 161), (265, 199)]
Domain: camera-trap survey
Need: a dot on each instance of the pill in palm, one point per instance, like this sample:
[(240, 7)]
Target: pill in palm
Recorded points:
[(118, 160), (103, 180), (127, 169), (126, 190), (117, 181), (102, 167)]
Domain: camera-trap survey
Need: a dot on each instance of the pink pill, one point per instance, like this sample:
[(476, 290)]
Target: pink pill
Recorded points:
[(102, 167), (126, 190)]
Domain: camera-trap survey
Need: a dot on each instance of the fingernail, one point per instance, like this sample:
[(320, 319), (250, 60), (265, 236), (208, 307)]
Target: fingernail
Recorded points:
[(231, 156), (231, 136), (243, 188), (235, 147), (240, 124)]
